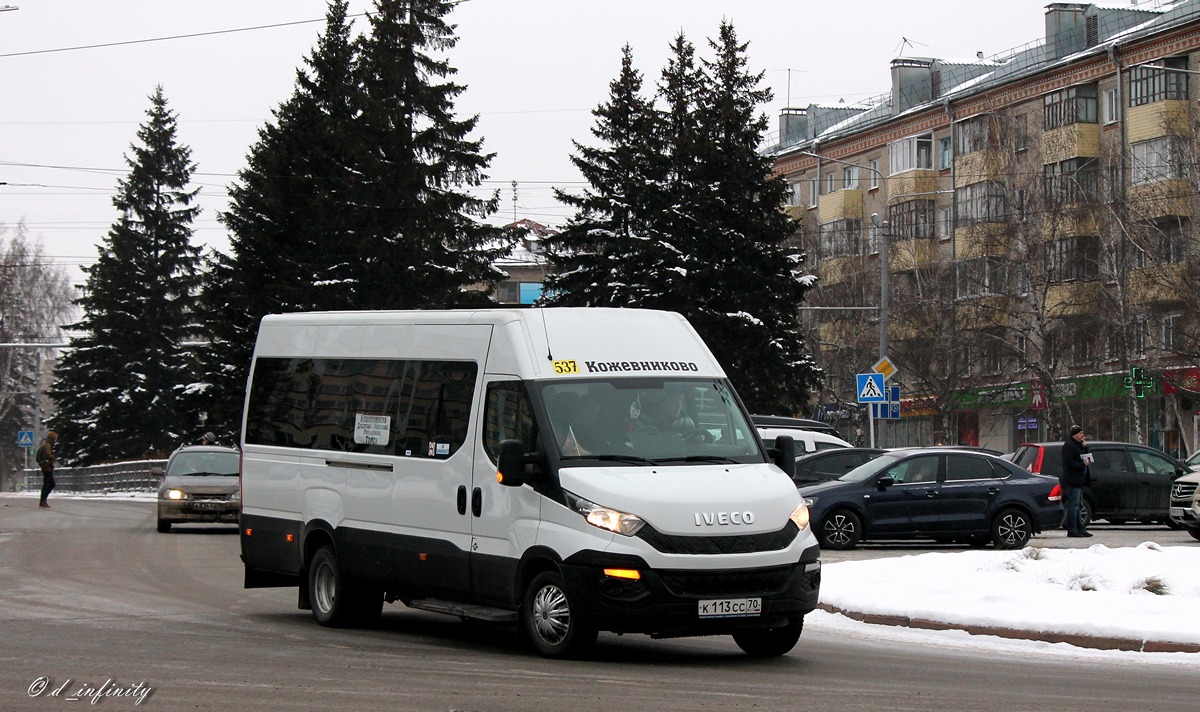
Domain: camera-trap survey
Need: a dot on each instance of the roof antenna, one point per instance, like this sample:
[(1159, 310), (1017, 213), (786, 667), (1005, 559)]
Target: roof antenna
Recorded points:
[(549, 355)]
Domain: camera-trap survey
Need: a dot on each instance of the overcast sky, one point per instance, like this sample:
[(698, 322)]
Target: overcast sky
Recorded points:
[(75, 77)]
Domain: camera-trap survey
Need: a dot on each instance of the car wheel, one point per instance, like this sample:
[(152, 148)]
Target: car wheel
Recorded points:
[(164, 526), (770, 642), (336, 600), (1085, 513), (1011, 529), (841, 530), (555, 630), (1195, 533)]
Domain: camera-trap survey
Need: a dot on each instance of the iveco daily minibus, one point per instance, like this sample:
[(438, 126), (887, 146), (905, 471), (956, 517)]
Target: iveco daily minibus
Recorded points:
[(570, 470)]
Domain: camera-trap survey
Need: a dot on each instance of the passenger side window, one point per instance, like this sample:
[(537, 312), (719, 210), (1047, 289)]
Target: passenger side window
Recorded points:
[(508, 416), (918, 469), (1151, 464), (1109, 460), (968, 467)]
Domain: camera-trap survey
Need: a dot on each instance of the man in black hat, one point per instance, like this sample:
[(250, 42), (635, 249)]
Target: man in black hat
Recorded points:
[(1073, 479)]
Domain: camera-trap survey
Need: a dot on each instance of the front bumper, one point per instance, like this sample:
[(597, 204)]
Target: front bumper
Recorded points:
[(666, 602), (199, 511), (1184, 514)]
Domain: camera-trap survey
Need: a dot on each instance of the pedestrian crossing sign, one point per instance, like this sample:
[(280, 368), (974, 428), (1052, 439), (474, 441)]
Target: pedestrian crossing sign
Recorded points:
[(870, 388), (25, 438)]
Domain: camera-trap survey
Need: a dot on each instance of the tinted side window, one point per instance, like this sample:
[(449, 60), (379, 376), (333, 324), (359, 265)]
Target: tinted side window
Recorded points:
[(508, 416), (381, 406), (916, 469), (1025, 457), (1110, 459), (967, 467), (1149, 463)]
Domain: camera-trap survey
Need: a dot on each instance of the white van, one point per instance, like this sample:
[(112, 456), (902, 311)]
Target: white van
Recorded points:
[(575, 470)]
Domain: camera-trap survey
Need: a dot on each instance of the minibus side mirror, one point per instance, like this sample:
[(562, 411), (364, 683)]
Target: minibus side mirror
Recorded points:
[(511, 469), (784, 454)]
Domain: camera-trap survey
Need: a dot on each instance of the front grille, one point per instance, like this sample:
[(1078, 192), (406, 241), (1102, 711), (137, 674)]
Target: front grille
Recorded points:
[(1183, 490), (726, 583), (739, 544)]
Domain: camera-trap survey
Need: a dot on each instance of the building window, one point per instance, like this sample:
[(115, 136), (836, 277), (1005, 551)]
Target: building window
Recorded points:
[(874, 164), (945, 154), (1073, 259), (1110, 106), (873, 240), (1139, 332), (945, 223), (974, 134), (1168, 81), (814, 191), (1162, 243), (912, 153), (841, 238), (1022, 210), (1156, 160), (981, 276), (1074, 105), (1022, 349), (981, 202), (1170, 330), (1071, 181), (1021, 129), (911, 220), (850, 178), (830, 184)]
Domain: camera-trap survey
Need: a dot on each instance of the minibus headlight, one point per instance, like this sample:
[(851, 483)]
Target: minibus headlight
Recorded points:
[(800, 516), (604, 517)]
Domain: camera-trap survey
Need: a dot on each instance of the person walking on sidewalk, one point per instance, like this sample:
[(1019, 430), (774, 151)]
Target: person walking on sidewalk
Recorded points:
[(45, 460), (1075, 460)]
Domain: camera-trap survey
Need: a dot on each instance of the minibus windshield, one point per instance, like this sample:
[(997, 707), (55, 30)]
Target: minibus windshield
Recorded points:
[(648, 421)]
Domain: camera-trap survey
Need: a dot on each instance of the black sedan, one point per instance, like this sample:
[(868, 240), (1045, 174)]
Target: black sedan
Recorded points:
[(825, 465), (934, 493)]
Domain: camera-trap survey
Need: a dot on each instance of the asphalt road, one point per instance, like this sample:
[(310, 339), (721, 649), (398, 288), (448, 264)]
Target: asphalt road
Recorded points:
[(94, 601)]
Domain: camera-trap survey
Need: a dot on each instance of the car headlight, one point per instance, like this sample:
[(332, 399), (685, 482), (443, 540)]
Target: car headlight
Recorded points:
[(800, 516), (175, 494), (604, 517)]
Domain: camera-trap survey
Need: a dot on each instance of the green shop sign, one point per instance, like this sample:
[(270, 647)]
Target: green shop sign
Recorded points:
[(1021, 394)]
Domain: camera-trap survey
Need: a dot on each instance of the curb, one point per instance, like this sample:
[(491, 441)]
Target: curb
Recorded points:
[(1081, 641)]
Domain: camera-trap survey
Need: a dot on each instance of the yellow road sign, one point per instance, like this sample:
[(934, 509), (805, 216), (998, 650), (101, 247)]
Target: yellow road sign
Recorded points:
[(885, 367)]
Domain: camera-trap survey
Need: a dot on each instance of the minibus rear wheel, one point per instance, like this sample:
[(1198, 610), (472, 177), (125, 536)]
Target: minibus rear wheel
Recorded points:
[(336, 600), (553, 626)]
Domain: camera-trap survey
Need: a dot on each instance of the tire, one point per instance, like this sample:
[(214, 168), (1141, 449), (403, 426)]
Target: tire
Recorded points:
[(1172, 524), (1011, 529), (841, 530), (770, 642), (1085, 514), (554, 629), (1195, 533), (336, 600), (164, 526)]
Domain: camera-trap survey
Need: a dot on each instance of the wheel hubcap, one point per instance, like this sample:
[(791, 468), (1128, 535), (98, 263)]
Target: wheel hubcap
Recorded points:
[(324, 588), (551, 615), (839, 530), (1012, 529)]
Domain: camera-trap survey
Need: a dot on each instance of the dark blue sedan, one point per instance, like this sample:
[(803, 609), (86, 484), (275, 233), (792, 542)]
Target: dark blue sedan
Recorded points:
[(934, 493)]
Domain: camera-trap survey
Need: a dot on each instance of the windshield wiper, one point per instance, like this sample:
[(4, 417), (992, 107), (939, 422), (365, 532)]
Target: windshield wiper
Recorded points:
[(613, 458), (698, 458)]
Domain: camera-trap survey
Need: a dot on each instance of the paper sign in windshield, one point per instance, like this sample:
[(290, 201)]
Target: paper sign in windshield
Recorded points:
[(372, 429)]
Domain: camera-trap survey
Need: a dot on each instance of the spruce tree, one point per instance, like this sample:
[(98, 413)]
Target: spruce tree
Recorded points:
[(749, 286), (604, 255), (422, 237), (290, 219), (118, 388)]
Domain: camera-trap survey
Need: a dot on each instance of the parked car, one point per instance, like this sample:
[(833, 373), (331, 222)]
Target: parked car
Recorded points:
[(933, 493), (1185, 507), (802, 431), (1128, 481), (830, 464), (200, 484), (783, 421)]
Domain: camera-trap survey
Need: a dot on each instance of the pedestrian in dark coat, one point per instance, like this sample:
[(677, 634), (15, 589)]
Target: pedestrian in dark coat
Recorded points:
[(1075, 459), (45, 460)]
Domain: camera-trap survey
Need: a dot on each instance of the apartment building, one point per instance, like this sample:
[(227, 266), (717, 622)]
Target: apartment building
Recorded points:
[(1015, 233)]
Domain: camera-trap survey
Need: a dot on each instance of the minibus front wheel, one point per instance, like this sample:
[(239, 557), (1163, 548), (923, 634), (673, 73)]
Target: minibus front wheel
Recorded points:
[(555, 628)]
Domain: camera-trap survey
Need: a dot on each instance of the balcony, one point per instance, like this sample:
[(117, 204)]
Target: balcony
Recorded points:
[(1157, 284), (838, 270), (904, 186), (1072, 299), (845, 204), (1161, 118), (981, 240), (912, 253), (1071, 141), (1075, 219), (1161, 199), (984, 312), (795, 212), (979, 166)]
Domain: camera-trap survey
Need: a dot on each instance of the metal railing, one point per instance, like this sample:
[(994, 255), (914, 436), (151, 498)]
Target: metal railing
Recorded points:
[(133, 476)]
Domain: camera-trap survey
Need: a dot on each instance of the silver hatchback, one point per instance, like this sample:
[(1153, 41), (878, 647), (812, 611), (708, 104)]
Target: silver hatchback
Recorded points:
[(200, 484)]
